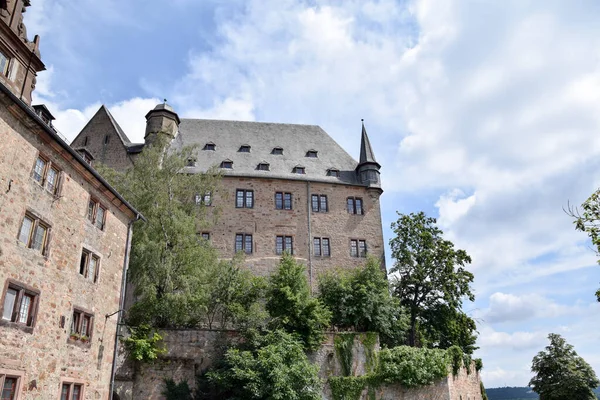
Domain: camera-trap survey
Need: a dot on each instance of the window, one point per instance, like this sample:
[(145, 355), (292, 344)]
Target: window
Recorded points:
[(106, 139), (85, 155), (358, 248), (355, 205), (333, 172), (277, 151), (283, 201), (243, 242), (299, 170), (369, 176), (244, 148), (227, 164), (209, 146), (89, 265), (81, 326), (244, 198), (3, 71), (46, 174), (321, 247), (20, 304), (206, 235), (71, 391), (311, 154), (34, 233), (263, 167), (96, 214), (284, 243), (10, 386), (319, 203), (205, 200)]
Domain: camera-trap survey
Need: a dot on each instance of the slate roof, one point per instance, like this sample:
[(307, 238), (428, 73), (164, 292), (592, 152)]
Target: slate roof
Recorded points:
[(296, 140), (367, 156)]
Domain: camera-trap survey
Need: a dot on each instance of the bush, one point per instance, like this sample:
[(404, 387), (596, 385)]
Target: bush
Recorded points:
[(143, 344), (177, 391), (412, 367)]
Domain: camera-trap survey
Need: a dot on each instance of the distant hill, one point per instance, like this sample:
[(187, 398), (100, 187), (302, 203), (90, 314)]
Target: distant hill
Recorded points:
[(516, 393)]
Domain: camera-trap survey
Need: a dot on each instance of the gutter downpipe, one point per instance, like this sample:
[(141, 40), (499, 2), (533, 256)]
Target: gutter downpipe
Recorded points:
[(121, 303), (309, 209)]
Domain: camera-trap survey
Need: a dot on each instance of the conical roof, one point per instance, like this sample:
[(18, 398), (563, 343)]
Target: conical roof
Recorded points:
[(366, 151)]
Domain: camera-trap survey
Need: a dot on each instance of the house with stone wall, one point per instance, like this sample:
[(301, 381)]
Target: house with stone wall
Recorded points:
[(65, 235)]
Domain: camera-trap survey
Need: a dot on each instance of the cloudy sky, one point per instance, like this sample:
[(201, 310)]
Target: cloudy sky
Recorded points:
[(485, 114)]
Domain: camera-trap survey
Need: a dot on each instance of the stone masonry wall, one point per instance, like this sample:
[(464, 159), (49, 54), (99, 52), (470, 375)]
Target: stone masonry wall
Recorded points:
[(45, 356)]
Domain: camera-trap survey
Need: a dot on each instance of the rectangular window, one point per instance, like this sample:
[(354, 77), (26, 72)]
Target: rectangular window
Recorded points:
[(353, 248), (34, 233), (205, 199), (321, 247), (355, 205), (3, 71), (358, 248), (46, 174), (243, 242), (96, 214), (9, 385), (362, 248), (81, 326), (19, 304), (244, 198), (284, 244), (71, 391), (89, 265), (319, 203), (283, 201)]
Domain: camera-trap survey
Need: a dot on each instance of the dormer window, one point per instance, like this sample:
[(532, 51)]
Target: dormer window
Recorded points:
[(244, 148), (263, 166), (209, 146), (311, 154), (227, 164), (277, 151), (333, 172), (299, 170), (191, 162)]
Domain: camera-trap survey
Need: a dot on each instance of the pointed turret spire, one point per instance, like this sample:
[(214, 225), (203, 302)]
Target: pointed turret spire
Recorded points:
[(366, 151)]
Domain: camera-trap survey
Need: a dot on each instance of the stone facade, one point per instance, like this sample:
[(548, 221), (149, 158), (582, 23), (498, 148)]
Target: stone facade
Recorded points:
[(42, 289)]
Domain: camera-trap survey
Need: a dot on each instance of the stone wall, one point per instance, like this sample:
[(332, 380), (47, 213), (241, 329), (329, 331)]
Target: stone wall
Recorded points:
[(191, 352), (43, 355)]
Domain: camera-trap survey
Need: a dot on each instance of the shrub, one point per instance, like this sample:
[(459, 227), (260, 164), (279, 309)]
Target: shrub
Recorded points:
[(412, 367)]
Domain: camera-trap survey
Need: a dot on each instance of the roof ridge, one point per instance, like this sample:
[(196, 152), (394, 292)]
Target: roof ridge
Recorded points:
[(116, 125), (245, 122)]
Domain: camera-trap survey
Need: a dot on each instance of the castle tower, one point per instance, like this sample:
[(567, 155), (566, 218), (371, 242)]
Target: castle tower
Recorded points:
[(19, 58), (161, 120), (368, 168)]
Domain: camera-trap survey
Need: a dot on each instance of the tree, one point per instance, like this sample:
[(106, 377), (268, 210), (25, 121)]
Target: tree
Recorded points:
[(589, 221), (169, 265), (443, 327), (270, 366), (430, 272), (560, 374), (291, 305), (360, 300)]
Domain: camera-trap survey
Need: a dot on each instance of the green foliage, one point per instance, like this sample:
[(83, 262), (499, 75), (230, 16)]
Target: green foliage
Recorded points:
[(478, 364), (483, 392), (177, 391), (360, 300), (143, 344), (169, 265), (292, 307), (271, 366), (589, 221), (411, 367), (467, 362), (430, 273), (369, 340), (442, 327), (347, 387), (560, 374), (455, 357), (343, 344)]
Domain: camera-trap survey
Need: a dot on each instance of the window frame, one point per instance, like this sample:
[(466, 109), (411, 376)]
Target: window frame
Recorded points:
[(263, 166), (21, 290), (299, 170), (244, 198), (44, 173), (352, 205), (203, 200), (277, 151), (245, 148), (210, 146), (285, 246), (320, 198), (93, 216), (205, 236), (11, 374), (286, 202), (312, 154), (333, 172), (36, 223), (5, 69), (226, 164), (243, 248), (358, 248), (89, 255), (78, 316), (72, 384), (322, 246)]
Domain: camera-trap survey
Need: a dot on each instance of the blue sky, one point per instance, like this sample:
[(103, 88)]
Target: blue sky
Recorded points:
[(484, 114)]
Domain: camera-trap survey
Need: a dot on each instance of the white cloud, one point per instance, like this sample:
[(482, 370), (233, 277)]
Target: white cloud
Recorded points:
[(510, 307)]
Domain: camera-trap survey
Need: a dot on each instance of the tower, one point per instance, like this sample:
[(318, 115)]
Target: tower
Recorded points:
[(368, 168), (19, 58), (161, 120)]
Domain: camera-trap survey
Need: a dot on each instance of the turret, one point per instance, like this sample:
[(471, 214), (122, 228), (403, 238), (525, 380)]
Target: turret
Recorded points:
[(368, 168), (161, 120)]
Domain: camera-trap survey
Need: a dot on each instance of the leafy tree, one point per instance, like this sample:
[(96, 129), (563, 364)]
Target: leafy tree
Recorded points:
[(560, 374), (271, 366), (589, 221), (177, 391), (169, 265), (291, 305), (443, 327), (360, 300), (430, 271)]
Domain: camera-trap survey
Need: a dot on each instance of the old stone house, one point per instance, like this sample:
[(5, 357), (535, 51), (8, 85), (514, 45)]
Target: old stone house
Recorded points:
[(64, 239), (285, 187)]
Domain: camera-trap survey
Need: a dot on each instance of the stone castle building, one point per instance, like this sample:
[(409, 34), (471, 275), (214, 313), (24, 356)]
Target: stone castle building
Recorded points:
[(64, 239), (285, 187)]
